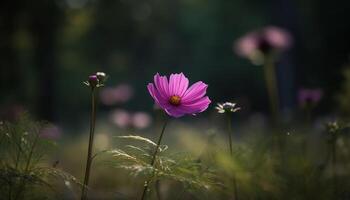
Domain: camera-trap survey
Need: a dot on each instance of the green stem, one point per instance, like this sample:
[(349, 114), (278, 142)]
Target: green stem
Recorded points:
[(18, 156), (90, 148), (334, 163), (271, 84), (308, 113), (308, 121), (229, 124), (26, 169), (272, 89), (145, 188)]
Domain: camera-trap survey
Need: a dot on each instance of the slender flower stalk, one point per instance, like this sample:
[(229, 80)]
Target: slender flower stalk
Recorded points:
[(229, 124), (271, 85), (334, 165), (229, 108), (272, 90), (333, 129), (95, 81), (90, 148), (153, 161)]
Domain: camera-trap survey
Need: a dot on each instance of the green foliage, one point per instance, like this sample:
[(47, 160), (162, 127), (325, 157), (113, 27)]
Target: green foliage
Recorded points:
[(179, 167), (260, 169), (23, 166)]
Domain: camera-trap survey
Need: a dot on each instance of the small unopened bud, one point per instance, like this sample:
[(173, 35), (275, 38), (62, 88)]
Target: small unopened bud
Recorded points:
[(93, 81), (101, 77)]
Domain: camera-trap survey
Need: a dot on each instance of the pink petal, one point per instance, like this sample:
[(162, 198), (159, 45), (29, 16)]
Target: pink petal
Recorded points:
[(178, 84), (246, 45), (162, 102), (279, 38), (175, 111), (195, 92), (161, 83), (196, 106)]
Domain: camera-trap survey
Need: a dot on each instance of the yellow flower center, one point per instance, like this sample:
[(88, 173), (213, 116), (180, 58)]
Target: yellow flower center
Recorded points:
[(175, 100)]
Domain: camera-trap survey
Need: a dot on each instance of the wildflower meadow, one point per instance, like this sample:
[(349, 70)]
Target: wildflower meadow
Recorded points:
[(174, 100)]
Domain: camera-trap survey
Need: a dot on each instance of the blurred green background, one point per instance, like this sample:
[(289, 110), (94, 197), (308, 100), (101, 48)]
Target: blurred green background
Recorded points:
[(48, 48)]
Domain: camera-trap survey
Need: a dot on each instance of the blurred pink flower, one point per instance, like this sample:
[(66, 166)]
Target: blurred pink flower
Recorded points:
[(247, 45), (121, 118), (51, 132), (278, 38), (176, 98), (309, 96), (263, 41), (114, 95), (141, 120), (125, 119)]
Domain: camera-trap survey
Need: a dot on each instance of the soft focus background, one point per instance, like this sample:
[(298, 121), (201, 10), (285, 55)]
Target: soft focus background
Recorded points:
[(49, 47)]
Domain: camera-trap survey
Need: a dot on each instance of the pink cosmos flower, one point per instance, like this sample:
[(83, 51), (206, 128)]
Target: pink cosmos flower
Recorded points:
[(125, 119), (121, 118), (176, 98), (141, 120), (263, 41), (309, 96), (114, 95)]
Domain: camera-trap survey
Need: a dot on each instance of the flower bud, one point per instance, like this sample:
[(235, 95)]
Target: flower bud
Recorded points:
[(227, 107), (101, 76), (93, 80)]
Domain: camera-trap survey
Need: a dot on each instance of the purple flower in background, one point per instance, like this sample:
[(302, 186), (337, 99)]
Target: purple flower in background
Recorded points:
[(114, 95), (121, 118), (176, 98), (51, 132), (256, 44), (125, 119), (141, 120), (309, 96), (277, 38)]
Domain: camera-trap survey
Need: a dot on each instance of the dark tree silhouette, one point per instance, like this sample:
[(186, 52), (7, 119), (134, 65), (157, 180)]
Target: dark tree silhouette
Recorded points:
[(46, 18)]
